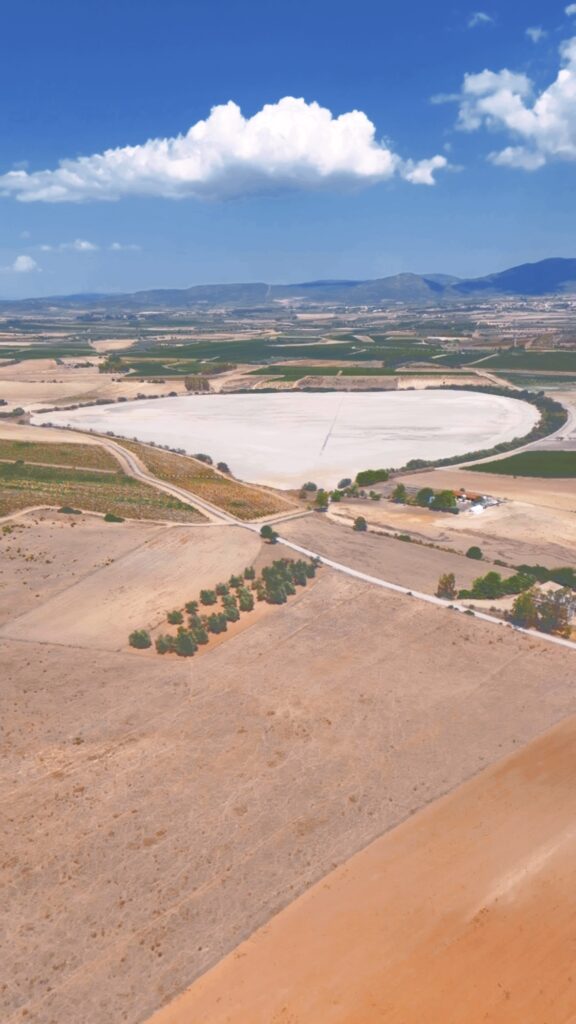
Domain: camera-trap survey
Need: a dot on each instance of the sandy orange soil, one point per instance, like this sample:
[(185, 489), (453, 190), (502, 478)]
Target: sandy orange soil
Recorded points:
[(464, 914)]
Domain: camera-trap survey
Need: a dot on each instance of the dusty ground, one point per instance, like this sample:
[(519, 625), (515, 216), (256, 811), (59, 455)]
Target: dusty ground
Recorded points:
[(132, 579), (464, 913), (514, 532), (410, 565), (155, 817), (548, 493), (38, 383)]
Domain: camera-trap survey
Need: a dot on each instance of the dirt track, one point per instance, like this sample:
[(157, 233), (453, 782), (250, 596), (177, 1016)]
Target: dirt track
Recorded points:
[(464, 914)]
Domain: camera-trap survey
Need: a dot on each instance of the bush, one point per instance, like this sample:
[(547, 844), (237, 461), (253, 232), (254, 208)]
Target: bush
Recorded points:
[(250, 573), (165, 644), (203, 458), (475, 552), (267, 533), (245, 600), (424, 497), (140, 639), (235, 582), (231, 612), (400, 494), (446, 588), (175, 618), (222, 589), (111, 518), (208, 597), (443, 501), (309, 486), (185, 645), (360, 524), (217, 623), (191, 607), (371, 476), (223, 467), (68, 511), (346, 482)]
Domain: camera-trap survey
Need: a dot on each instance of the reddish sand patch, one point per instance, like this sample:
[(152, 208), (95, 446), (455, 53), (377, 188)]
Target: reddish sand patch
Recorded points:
[(465, 913)]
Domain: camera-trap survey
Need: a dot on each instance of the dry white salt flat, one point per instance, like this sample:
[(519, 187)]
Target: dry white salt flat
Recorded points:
[(284, 439)]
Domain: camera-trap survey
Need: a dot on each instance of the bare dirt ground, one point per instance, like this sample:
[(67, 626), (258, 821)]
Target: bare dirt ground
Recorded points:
[(44, 554), (515, 532), (464, 913), (157, 813), (42, 382), (162, 569), (548, 493), (410, 565)]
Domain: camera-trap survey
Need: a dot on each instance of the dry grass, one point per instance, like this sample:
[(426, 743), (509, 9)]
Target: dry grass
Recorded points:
[(27, 486), (226, 493), (85, 456)]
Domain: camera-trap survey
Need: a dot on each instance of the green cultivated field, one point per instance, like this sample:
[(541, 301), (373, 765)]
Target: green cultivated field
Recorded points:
[(537, 463), (85, 456), (518, 360)]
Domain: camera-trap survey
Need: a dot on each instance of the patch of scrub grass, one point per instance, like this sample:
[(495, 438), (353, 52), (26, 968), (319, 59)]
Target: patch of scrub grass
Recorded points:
[(240, 500), (25, 486), (538, 464), (516, 359), (89, 456)]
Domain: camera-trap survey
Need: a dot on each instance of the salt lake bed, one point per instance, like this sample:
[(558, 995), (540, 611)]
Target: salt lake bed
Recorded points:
[(284, 439)]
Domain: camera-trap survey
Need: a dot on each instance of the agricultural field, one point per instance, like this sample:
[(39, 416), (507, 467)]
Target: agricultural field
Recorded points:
[(515, 359), (85, 456), (28, 484), (223, 491), (180, 810), (537, 463)]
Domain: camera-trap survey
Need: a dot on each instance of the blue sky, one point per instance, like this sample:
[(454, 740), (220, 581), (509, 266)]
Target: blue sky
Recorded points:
[(332, 201)]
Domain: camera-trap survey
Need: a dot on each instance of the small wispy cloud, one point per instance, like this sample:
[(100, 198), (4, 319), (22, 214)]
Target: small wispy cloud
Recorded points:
[(78, 245), (570, 10), (124, 247), (480, 18), (21, 265), (536, 34)]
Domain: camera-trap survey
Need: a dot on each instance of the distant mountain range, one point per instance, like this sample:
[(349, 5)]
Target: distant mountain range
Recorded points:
[(548, 277)]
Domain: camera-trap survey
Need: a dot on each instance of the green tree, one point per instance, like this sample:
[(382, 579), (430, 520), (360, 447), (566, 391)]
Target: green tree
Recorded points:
[(443, 501), (360, 524), (553, 615), (185, 644), (217, 623), (175, 618), (524, 611), (250, 573), (222, 589), (140, 638), (191, 607), (245, 600), (475, 552), (424, 497), (400, 494), (322, 499), (208, 597), (446, 587), (366, 477), (267, 533), (165, 644)]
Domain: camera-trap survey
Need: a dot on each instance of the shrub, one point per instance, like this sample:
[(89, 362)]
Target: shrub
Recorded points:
[(360, 524), (250, 573), (231, 612), (175, 618), (267, 533), (222, 589), (424, 497), (443, 501), (371, 476), (200, 634), (400, 494), (110, 517), (235, 582), (68, 511), (245, 600), (191, 607), (309, 486), (140, 639), (217, 623), (185, 645), (208, 597), (203, 458), (346, 482), (446, 588), (223, 467), (475, 552)]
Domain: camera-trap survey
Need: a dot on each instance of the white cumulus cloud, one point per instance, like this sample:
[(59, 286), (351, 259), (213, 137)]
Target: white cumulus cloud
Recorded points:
[(541, 124), (22, 265), (570, 10), (289, 144), (480, 18)]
